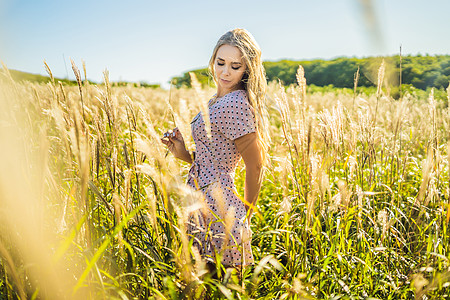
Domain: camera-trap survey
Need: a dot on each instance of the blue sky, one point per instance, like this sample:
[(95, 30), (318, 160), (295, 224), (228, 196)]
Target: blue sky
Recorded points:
[(155, 40)]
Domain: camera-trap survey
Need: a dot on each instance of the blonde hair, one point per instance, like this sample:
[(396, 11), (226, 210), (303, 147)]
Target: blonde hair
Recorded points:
[(254, 78)]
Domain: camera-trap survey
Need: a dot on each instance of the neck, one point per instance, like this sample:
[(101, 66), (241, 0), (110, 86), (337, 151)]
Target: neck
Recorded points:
[(221, 92)]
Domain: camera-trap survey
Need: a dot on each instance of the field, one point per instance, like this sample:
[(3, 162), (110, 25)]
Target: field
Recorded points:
[(354, 203)]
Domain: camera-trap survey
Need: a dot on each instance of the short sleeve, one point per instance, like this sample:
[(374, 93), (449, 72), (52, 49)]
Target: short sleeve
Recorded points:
[(235, 116)]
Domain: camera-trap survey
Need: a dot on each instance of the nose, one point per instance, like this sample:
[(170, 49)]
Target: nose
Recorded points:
[(225, 70)]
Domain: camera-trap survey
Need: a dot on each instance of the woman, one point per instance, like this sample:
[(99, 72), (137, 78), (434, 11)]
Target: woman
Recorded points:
[(237, 118)]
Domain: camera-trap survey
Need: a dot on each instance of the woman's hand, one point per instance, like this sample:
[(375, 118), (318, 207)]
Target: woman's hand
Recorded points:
[(173, 139)]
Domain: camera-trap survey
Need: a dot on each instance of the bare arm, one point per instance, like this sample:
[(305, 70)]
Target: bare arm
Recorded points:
[(250, 151)]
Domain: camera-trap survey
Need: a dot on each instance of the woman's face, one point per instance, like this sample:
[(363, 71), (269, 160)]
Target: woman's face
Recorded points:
[(229, 67)]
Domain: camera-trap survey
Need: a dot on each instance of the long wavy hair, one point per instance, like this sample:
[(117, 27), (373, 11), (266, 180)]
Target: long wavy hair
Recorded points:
[(254, 79)]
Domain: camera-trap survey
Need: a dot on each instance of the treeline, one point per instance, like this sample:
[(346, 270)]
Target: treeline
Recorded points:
[(419, 71)]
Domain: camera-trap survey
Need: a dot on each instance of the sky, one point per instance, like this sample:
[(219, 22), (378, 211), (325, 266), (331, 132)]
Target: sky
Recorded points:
[(153, 41)]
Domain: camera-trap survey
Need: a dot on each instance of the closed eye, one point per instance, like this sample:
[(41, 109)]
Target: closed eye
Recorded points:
[(219, 63)]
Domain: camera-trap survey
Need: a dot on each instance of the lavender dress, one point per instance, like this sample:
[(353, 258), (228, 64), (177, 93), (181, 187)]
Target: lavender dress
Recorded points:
[(224, 230)]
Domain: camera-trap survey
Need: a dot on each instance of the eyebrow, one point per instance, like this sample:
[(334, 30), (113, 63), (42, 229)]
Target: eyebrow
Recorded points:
[(235, 62)]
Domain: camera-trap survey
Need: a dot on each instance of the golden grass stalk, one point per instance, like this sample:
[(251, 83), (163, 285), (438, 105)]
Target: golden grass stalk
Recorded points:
[(283, 108), (383, 220), (317, 179), (332, 127), (203, 104), (345, 195), (301, 80), (355, 85), (432, 110), (8, 74), (49, 72), (381, 73), (182, 121), (426, 176), (286, 125), (128, 201), (184, 117), (110, 105), (285, 206), (84, 71), (76, 71)]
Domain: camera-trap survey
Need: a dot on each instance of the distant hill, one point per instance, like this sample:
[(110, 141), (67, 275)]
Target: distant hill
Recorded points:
[(418, 71), (24, 76)]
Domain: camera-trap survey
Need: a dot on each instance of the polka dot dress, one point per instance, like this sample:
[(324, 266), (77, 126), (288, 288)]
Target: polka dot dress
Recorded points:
[(224, 230)]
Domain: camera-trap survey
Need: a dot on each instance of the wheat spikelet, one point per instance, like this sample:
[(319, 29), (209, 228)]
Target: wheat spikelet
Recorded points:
[(312, 196), (332, 126), (99, 128), (183, 118), (355, 85), (426, 176), (203, 105), (284, 169), (302, 135), (61, 124), (283, 109), (301, 80), (345, 194), (382, 219), (84, 71), (381, 72), (76, 71), (157, 151), (229, 221), (158, 173), (285, 206), (63, 93), (432, 110), (49, 72), (128, 202), (7, 73), (432, 189), (107, 99)]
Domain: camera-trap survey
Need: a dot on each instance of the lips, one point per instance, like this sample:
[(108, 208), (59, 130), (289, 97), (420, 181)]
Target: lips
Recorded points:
[(225, 81)]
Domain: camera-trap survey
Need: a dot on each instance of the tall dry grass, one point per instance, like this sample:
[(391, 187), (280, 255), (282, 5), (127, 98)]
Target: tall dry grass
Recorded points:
[(355, 203)]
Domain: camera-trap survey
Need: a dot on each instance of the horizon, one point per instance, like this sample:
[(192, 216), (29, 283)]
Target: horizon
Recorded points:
[(153, 42), (276, 60)]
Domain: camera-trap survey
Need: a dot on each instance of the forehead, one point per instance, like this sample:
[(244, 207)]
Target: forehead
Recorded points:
[(230, 53)]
